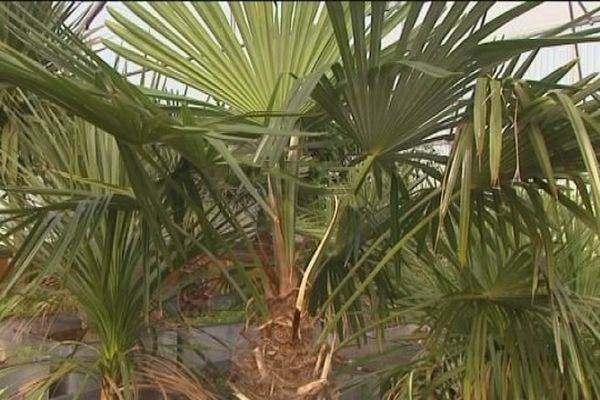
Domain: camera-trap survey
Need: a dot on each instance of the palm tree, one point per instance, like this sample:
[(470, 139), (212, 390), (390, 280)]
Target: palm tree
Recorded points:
[(278, 71), (492, 320)]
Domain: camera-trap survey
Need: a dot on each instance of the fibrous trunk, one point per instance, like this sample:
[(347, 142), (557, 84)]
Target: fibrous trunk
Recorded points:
[(274, 364)]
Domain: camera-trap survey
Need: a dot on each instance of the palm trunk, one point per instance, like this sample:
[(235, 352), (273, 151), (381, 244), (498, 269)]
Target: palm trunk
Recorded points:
[(276, 365), (282, 361)]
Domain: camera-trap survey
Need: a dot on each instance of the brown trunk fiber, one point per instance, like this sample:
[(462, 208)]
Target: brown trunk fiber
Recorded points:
[(277, 366)]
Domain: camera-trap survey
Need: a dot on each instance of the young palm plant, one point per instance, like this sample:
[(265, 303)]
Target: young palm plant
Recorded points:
[(78, 219), (277, 70)]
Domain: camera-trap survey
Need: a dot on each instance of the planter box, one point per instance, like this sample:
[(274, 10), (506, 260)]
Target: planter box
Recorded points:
[(95, 395), (72, 384), (89, 395), (29, 341), (13, 380), (214, 344), (163, 342), (194, 346), (54, 327), (75, 383), (368, 388), (31, 367)]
